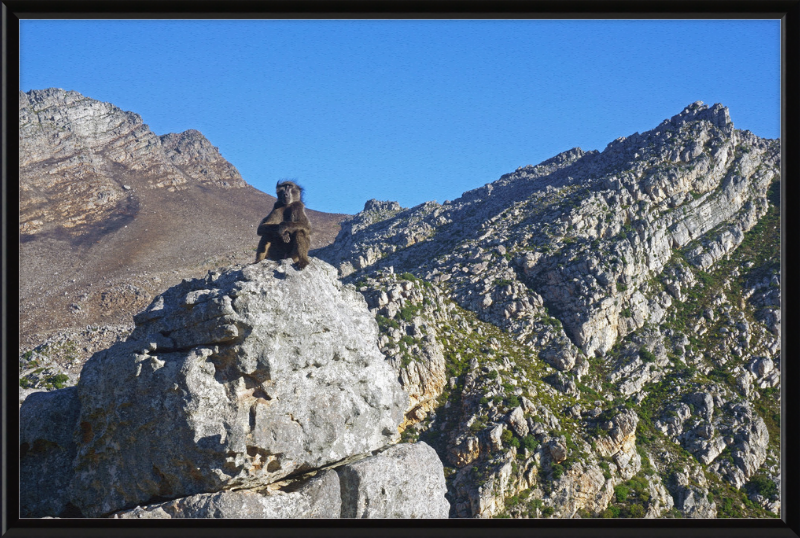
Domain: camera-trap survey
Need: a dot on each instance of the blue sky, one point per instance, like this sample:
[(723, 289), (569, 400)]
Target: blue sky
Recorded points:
[(407, 110)]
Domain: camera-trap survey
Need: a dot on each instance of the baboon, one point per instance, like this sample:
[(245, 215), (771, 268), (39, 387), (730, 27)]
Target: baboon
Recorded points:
[(286, 231)]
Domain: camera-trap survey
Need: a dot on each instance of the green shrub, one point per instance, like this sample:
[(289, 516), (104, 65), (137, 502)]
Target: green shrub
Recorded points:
[(646, 356), (727, 506), (548, 511), (384, 322), (558, 470), (611, 512), (408, 312), (706, 278), (507, 436), (530, 442), (764, 486), (492, 374), (606, 469), (478, 425), (621, 491), (513, 401), (636, 510), (56, 381), (640, 487)]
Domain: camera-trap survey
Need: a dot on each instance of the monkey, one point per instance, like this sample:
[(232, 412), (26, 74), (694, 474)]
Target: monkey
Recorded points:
[(286, 231)]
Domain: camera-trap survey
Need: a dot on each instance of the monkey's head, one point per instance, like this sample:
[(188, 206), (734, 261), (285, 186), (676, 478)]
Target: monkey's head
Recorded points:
[(288, 192)]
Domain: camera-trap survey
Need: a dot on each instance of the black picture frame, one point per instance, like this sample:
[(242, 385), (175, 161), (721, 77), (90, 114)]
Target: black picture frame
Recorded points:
[(788, 11)]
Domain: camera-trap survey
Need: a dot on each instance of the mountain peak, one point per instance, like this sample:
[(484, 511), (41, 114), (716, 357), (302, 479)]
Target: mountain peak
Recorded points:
[(718, 115), (195, 156)]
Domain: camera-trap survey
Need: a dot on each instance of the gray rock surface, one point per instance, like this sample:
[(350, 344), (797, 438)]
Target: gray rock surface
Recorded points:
[(620, 444), (47, 450), (403, 481), (318, 498), (195, 157), (410, 312), (691, 497), (582, 487), (235, 380), (516, 419)]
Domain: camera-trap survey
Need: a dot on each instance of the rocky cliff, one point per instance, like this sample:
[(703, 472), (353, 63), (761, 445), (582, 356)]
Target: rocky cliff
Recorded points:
[(111, 215), (596, 335), (255, 392)]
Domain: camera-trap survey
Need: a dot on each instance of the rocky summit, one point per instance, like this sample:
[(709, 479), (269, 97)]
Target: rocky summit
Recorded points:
[(595, 336), (231, 398)]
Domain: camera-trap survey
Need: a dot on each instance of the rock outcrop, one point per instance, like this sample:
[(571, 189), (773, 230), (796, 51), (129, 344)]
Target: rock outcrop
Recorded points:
[(404, 481), (620, 444), (317, 498), (237, 381), (409, 311), (192, 154), (376, 487), (47, 451)]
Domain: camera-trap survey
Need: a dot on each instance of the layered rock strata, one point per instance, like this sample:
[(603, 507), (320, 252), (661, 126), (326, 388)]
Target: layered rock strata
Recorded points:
[(71, 147)]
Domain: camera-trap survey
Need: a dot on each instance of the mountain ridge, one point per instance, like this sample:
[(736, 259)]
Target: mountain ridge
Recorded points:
[(601, 272), (561, 171), (598, 335)]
